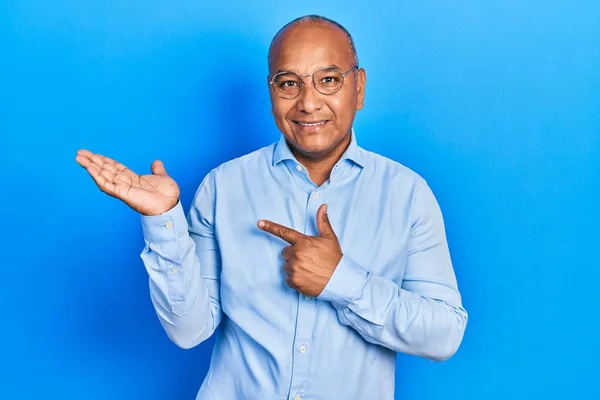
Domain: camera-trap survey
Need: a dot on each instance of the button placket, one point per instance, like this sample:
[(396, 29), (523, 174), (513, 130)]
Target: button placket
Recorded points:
[(305, 321)]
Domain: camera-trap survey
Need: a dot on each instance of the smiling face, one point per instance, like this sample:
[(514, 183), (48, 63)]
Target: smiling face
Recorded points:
[(315, 124)]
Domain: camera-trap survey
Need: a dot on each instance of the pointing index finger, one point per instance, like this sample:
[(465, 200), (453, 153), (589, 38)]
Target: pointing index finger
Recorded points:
[(288, 234)]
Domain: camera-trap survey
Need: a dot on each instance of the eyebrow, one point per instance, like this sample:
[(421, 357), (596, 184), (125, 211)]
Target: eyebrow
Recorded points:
[(331, 66)]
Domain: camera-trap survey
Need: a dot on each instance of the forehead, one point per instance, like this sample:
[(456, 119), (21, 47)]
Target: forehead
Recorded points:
[(303, 48)]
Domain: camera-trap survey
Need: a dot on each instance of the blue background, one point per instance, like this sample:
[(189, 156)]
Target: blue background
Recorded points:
[(496, 104)]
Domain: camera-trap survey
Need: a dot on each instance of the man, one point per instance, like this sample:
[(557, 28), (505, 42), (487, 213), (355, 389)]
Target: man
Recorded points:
[(314, 260)]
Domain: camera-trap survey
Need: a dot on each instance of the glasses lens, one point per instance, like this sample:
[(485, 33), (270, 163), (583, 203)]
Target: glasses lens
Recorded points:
[(287, 85), (329, 80)]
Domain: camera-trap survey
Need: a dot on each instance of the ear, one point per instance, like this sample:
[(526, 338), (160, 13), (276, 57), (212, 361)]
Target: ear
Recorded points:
[(361, 82)]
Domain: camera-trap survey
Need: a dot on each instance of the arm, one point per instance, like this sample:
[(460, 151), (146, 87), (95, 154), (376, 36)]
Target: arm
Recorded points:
[(424, 316), (183, 263)]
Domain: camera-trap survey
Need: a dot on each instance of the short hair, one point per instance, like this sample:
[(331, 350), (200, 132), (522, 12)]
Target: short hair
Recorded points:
[(312, 18)]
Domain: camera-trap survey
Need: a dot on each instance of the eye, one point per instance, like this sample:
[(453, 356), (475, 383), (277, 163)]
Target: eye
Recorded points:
[(329, 79), (288, 84)]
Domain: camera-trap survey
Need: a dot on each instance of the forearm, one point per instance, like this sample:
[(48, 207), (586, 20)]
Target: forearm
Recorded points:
[(181, 297), (383, 313)]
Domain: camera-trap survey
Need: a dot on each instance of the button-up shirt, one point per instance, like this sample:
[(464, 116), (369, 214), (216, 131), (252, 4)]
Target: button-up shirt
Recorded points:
[(213, 270)]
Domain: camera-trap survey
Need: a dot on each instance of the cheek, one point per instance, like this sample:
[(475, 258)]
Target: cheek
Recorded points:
[(339, 107), (335, 105), (280, 109)]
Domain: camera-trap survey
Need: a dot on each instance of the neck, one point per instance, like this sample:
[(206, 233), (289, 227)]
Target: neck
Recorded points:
[(319, 166)]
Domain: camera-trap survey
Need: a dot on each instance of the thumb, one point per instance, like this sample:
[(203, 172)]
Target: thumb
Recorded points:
[(325, 228), (158, 168)]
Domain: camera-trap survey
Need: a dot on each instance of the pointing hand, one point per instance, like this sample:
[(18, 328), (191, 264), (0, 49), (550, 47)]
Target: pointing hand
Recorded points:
[(310, 260)]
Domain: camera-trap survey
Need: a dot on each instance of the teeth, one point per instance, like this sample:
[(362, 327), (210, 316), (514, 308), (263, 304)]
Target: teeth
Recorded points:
[(318, 123)]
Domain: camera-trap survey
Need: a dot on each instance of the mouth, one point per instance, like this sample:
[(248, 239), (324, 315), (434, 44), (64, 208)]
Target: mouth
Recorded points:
[(311, 125)]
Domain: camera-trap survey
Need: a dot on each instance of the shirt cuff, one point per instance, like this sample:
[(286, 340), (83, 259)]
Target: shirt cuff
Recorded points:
[(346, 284), (166, 227)]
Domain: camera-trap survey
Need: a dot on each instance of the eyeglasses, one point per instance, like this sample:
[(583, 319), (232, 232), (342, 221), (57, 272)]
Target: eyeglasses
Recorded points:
[(328, 81)]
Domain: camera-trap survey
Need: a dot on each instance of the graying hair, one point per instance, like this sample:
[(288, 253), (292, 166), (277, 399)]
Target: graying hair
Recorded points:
[(319, 19)]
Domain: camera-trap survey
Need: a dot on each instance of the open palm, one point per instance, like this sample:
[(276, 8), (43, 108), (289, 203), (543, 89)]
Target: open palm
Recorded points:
[(151, 194)]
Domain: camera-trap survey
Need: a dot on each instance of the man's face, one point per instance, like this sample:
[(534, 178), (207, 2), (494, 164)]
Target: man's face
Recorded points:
[(303, 49)]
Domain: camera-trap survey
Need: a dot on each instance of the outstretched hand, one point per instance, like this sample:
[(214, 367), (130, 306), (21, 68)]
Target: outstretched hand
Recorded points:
[(151, 194), (309, 260)]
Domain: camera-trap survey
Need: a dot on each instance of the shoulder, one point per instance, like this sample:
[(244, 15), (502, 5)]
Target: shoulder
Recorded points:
[(242, 165), (391, 171), (404, 184)]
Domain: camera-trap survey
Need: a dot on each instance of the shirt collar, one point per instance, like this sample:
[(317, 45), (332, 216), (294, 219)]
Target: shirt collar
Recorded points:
[(352, 153)]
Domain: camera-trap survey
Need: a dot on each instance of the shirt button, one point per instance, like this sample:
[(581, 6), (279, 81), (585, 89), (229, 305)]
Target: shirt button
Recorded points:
[(297, 397), (316, 196), (299, 167), (169, 224), (173, 271), (307, 297), (302, 349)]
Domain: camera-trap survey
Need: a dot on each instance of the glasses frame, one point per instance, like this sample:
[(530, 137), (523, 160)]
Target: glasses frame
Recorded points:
[(272, 80)]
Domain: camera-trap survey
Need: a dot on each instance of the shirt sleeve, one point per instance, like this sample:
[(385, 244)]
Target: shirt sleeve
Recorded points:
[(424, 316), (183, 262)]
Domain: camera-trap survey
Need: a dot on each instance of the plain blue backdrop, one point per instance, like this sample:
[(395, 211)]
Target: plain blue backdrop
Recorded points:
[(495, 103)]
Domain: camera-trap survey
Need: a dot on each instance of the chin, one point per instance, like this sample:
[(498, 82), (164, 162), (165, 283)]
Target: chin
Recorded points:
[(313, 145)]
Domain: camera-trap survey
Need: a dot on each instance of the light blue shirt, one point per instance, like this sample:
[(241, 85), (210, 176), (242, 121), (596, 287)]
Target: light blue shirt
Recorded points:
[(394, 290)]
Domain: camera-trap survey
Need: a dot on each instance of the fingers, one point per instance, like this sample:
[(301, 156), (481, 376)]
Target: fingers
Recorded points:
[(86, 158), (104, 170), (287, 269), (289, 282), (100, 161), (84, 153), (117, 165), (323, 223), (286, 253), (289, 235), (103, 184), (83, 160)]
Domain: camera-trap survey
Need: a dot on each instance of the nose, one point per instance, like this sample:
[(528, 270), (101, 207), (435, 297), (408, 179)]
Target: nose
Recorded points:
[(309, 99)]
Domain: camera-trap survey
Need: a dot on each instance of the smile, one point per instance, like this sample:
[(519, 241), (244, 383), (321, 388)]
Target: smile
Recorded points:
[(308, 124)]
